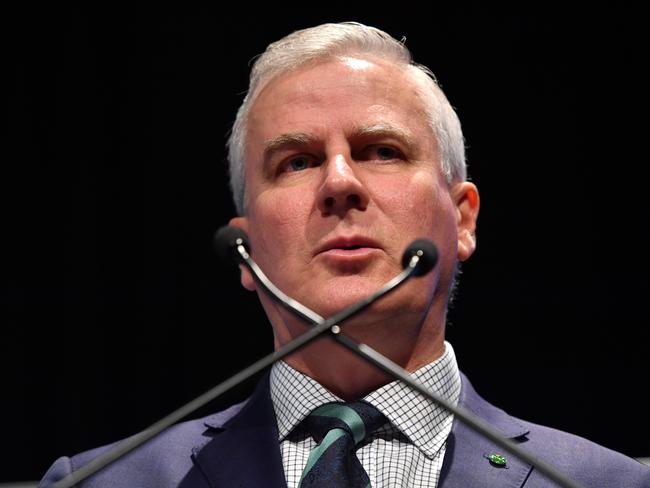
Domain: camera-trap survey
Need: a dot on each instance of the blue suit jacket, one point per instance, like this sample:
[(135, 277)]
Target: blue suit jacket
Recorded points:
[(239, 448)]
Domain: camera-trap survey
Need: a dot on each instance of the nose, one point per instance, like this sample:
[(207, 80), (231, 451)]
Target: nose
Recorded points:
[(341, 190)]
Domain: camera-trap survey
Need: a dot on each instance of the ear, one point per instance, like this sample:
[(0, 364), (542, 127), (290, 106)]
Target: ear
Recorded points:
[(246, 278), (466, 199)]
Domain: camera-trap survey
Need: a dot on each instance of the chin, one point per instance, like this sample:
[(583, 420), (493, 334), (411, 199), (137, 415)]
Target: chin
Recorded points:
[(410, 298), (340, 294)]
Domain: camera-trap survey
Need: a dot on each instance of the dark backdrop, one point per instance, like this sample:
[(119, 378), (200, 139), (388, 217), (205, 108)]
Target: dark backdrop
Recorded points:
[(115, 310)]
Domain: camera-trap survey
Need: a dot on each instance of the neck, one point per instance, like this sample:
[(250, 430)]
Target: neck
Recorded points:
[(409, 341)]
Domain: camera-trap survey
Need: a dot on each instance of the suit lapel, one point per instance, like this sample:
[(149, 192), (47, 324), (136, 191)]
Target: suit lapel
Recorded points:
[(244, 451), (465, 462)]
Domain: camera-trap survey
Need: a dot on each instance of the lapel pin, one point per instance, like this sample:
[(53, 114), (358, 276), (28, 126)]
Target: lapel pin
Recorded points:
[(497, 460)]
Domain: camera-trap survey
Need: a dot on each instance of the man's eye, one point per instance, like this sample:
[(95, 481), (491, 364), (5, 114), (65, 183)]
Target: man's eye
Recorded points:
[(386, 153), (297, 164)]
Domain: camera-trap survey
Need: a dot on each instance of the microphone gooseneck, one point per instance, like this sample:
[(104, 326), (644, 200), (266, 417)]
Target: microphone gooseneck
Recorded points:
[(230, 242), (418, 259)]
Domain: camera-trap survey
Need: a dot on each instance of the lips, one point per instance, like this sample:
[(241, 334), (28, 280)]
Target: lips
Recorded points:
[(349, 244)]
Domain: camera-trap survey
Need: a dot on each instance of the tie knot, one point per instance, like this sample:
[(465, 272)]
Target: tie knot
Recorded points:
[(359, 419)]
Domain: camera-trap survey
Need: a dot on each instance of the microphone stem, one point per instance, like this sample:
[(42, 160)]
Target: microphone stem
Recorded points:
[(309, 315), (385, 364), (320, 327), (278, 295)]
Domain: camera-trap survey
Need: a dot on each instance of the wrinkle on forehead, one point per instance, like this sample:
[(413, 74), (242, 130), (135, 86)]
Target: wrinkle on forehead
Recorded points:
[(294, 97)]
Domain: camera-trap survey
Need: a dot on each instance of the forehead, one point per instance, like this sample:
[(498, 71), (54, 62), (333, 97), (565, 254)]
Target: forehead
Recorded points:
[(339, 94)]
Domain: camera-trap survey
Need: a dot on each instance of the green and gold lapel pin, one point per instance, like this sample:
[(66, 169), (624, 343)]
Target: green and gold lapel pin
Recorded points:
[(497, 460)]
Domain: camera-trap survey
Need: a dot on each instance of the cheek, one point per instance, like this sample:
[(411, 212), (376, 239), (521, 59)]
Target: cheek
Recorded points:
[(277, 221), (421, 207), (414, 199), (432, 214), (281, 207)]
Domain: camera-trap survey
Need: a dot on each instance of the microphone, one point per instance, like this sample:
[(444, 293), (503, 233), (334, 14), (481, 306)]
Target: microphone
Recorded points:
[(232, 242), (420, 257), (226, 241), (425, 251)]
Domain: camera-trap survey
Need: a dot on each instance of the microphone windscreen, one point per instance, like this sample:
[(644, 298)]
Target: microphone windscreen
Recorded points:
[(226, 241), (427, 252)]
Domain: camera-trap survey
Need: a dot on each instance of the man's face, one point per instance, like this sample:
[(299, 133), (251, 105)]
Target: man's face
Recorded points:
[(342, 173)]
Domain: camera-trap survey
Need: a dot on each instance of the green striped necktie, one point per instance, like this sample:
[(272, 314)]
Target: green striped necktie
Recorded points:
[(339, 428)]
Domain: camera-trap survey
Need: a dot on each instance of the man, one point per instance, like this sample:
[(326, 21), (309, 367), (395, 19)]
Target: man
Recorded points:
[(343, 153)]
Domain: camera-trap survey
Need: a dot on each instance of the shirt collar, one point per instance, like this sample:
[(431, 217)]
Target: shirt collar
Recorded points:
[(294, 396), (423, 422)]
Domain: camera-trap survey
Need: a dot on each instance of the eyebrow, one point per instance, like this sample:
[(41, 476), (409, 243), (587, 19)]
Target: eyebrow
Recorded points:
[(284, 140), (386, 130)]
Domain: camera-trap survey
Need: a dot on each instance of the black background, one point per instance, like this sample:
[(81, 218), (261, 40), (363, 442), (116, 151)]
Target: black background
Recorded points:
[(115, 310)]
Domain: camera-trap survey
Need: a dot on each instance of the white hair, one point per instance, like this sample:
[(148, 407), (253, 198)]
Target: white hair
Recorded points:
[(326, 41)]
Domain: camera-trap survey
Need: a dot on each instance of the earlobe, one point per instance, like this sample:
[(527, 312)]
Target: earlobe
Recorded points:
[(246, 278), (467, 202)]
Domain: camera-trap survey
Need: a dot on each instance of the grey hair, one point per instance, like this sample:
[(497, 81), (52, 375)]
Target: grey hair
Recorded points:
[(327, 41)]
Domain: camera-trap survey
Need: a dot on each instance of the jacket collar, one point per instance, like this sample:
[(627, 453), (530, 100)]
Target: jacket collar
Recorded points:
[(244, 450), (465, 463)]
